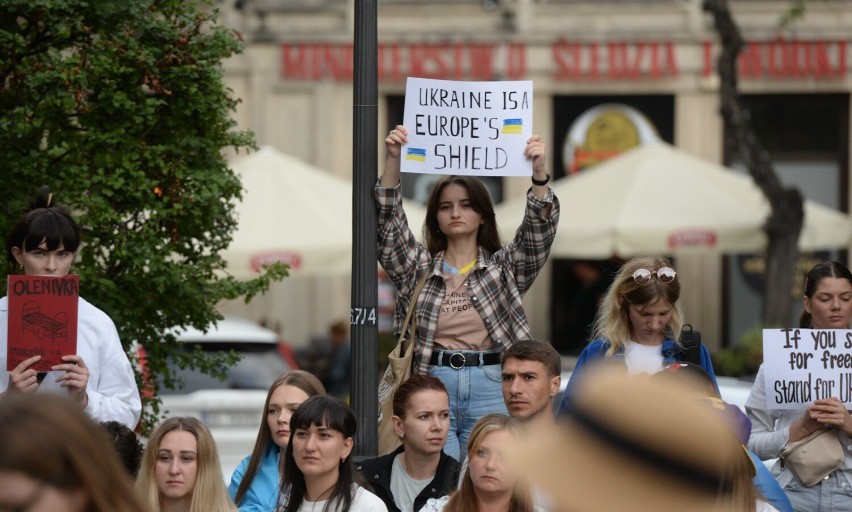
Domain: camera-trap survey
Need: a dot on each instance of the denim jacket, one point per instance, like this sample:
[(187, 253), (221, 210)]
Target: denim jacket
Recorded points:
[(595, 353)]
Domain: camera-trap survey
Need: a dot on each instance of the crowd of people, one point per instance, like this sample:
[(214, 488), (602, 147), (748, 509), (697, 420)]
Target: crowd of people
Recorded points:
[(640, 426)]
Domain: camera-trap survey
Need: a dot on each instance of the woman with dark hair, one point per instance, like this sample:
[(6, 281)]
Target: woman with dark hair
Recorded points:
[(126, 444), (318, 472), (44, 242), (254, 484), (419, 469), (53, 458), (638, 324), (827, 304), (470, 308)]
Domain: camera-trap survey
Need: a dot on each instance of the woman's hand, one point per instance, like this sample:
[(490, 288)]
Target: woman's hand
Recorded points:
[(395, 139), (535, 151), (23, 378), (75, 379), (393, 142), (831, 411)]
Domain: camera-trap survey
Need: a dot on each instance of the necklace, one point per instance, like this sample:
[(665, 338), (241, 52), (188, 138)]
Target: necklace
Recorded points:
[(322, 493), (456, 271)]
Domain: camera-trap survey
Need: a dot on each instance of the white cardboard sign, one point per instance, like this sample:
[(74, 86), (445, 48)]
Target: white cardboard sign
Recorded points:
[(467, 128), (803, 365)]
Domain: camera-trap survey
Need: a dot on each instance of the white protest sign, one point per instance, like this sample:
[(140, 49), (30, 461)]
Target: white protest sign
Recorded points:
[(803, 365), (467, 128)]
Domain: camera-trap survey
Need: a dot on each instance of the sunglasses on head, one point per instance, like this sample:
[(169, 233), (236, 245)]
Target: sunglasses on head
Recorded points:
[(643, 275)]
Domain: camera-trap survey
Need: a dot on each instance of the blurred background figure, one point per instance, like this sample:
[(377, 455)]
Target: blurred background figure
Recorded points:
[(53, 458), (254, 484), (582, 306), (637, 444), (329, 357), (180, 470), (127, 445)]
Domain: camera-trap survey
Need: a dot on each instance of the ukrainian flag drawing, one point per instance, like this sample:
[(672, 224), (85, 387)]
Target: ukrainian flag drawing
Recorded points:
[(416, 154), (512, 126)]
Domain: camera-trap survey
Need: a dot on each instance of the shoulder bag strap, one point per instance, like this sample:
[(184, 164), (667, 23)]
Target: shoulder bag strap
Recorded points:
[(410, 321)]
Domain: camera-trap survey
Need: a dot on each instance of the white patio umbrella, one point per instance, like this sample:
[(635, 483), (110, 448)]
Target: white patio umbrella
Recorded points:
[(295, 213), (291, 212), (658, 199)]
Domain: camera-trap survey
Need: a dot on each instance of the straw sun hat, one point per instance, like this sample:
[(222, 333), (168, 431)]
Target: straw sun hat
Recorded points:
[(632, 444)]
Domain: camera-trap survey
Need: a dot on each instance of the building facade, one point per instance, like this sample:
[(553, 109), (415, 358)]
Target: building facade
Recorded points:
[(656, 57)]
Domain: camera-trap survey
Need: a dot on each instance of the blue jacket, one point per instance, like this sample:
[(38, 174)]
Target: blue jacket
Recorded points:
[(262, 494), (595, 352), (768, 485)]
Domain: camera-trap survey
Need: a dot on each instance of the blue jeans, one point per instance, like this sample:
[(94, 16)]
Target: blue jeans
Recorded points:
[(474, 392), (833, 494)]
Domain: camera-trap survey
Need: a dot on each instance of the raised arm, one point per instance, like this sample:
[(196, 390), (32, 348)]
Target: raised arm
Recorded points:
[(393, 142), (535, 151)]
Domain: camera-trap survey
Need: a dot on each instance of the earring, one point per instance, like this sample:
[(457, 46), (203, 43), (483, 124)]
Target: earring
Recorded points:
[(22, 266)]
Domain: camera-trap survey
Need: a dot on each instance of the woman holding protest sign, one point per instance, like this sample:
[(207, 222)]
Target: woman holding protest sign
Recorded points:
[(827, 305), (470, 307), (98, 376)]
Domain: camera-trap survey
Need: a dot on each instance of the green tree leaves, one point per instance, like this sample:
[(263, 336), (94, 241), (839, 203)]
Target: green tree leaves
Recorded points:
[(121, 109)]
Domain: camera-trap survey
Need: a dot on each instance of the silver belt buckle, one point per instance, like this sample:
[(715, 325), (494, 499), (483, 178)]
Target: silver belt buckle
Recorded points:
[(452, 364)]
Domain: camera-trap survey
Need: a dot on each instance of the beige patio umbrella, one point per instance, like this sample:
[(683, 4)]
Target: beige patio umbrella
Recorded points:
[(291, 212), (295, 213), (656, 198)]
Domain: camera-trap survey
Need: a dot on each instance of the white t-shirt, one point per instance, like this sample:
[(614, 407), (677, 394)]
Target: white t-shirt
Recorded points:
[(763, 506), (364, 501), (438, 505), (642, 358), (404, 488)]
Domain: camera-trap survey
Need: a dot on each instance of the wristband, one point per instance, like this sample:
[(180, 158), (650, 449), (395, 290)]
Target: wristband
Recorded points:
[(543, 182)]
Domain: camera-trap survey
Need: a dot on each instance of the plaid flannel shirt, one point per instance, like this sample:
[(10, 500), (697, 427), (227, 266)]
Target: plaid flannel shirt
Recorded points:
[(495, 286)]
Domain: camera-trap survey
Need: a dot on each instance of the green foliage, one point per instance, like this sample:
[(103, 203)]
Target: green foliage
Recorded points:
[(795, 12), (121, 109), (742, 359)]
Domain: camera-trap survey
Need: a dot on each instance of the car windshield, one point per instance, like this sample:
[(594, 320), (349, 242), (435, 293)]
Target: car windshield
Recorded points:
[(259, 365)]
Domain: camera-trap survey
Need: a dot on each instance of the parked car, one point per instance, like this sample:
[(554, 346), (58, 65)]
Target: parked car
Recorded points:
[(232, 409)]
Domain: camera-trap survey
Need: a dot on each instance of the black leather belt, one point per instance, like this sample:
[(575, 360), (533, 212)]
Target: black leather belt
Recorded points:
[(458, 360)]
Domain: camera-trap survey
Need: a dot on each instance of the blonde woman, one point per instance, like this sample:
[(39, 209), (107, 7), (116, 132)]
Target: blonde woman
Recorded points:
[(490, 483), (180, 470), (638, 324)]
